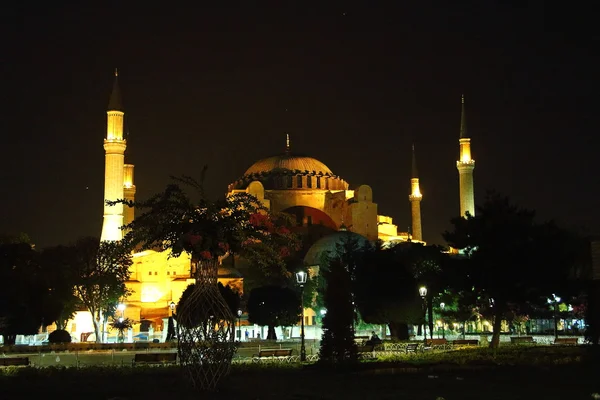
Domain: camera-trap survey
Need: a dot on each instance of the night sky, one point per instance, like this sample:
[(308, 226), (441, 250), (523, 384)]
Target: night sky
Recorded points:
[(354, 87)]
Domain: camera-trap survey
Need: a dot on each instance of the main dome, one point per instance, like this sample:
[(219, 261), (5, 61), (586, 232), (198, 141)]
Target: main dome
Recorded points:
[(290, 171), (290, 162)]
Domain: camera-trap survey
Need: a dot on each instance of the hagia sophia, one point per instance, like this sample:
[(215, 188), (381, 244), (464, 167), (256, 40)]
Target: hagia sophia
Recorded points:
[(322, 204)]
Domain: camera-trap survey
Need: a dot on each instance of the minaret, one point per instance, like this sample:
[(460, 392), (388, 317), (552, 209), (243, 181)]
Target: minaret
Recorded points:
[(465, 166), (129, 193), (114, 146), (415, 198)]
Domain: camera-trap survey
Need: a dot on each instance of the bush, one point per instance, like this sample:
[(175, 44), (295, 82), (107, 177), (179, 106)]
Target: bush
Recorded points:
[(59, 336)]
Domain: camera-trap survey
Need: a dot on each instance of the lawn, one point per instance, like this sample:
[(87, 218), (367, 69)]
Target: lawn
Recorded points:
[(527, 373)]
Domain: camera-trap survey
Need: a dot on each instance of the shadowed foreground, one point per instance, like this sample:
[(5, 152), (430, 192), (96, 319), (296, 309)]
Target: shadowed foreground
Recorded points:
[(520, 373)]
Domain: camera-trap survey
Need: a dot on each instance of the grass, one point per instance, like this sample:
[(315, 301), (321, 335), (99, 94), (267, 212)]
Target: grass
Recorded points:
[(520, 373)]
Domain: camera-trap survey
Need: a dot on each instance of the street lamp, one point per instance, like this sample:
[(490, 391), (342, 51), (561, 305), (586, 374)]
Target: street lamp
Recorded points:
[(172, 307), (423, 294), (555, 302), (239, 313), (301, 280), (121, 307), (442, 306)]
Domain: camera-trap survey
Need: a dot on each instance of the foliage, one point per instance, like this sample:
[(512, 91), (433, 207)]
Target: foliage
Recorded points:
[(509, 257), (205, 229), (171, 334), (592, 331), (100, 270), (394, 300), (121, 324), (273, 306), (59, 336), (22, 291), (61, 302), (337, 342), (231, 297)]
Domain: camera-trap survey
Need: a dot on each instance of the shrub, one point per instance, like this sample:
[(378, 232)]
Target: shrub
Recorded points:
[(59, 336)]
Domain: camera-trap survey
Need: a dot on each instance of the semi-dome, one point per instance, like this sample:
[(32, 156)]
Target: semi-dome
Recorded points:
[(290, 162), (328, 245)]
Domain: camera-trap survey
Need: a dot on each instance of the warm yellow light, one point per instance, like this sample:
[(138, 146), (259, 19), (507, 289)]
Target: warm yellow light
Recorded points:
[(150, 294)]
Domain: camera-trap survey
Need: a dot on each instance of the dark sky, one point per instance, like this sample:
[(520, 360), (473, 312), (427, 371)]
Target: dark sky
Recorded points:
[(212, 85)]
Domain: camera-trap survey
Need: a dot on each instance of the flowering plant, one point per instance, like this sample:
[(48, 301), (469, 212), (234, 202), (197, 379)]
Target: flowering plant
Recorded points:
[(205, 229)]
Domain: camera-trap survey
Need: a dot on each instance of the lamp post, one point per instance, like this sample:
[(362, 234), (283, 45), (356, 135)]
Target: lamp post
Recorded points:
[(442, 306), (555, 301), (301, 279), (423, 294), (172, 308), (239, 313)]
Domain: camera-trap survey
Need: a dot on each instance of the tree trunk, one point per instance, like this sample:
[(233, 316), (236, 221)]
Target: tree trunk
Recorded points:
[(96, 330), (399, 330), (430, 318), (496, 330), (271, 335), (10, 339), (419, 330)]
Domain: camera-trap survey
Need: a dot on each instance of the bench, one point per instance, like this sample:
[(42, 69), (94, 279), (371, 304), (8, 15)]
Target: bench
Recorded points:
[(436, 344), (365, 351), (154, 358), (465, 342), (283, 355), (521, 339), (566, 341), (411, 348), (5, 362)]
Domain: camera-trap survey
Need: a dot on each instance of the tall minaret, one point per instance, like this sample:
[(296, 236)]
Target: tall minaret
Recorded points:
[(465, 166), (114, 145), (415, 200)]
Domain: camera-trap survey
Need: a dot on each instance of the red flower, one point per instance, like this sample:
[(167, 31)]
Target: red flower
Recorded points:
[(283, 230), (224, 246), (205, 255), (194, 239), (284, 252)]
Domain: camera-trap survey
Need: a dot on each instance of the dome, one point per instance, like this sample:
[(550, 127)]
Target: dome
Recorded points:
[(290, 162), (290, 171), (328, 246)]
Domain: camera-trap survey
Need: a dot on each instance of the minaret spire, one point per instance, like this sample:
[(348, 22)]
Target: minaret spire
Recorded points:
[(114, 174), (463, 119), (287, 143), (465, 166), (415, 198), (415, 172), (114, 103)]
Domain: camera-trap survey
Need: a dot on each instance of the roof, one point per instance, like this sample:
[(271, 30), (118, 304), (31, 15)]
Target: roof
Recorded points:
[(290, 162), (115, 103)]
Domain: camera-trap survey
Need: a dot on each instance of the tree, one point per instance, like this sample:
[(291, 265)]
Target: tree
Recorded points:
[(61, 302), (236, 225), (386, 290), (273, 306), (337, 343), (100, 270), (21, 291), (509, 257)]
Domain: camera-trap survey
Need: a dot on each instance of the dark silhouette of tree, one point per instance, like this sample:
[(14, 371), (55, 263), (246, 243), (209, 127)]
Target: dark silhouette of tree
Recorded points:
[(100, 270), (21, 291), (61, 302), (337, 343), (509, 258), (273, 306), (387, 291)]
